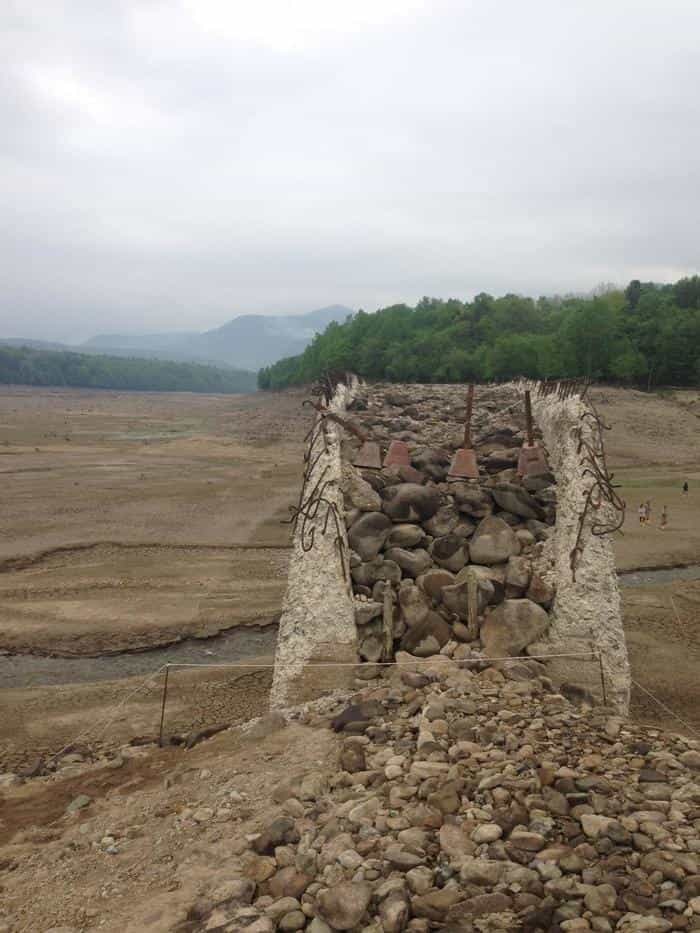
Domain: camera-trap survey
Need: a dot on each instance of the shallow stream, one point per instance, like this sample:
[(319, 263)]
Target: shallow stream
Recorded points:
[(28, 670)]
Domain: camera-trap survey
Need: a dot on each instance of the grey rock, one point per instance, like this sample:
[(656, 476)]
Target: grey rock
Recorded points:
[(368, 534), (344, 905), (412, 563), (472, 500), (512, 626), (444, 522), (493, 542), (78, 803), (409, 502), (517, 500), (540, 592), (456, 599), (415, 605), (518, 572), (427, 637), (433, 461), (371, 648), (433, 582), (366, 610), (405, 536), (357, 492), (450, 552)]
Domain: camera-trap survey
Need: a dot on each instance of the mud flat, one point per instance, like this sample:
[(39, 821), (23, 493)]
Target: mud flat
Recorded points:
[(134, 521)]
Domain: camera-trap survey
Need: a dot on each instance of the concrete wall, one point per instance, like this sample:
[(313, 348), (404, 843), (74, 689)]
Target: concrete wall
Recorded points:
[(318, 618), (586, 611)]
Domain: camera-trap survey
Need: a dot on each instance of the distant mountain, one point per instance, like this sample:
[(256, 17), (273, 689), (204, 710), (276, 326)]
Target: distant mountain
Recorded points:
[(32, 344), (248, 341)]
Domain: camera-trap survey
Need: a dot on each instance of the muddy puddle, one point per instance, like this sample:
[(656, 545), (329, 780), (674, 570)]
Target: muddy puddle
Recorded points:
[(663, 575), (26, 670)]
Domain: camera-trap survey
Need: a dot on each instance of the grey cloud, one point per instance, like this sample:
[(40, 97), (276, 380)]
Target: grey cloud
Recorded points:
[(159, 169)]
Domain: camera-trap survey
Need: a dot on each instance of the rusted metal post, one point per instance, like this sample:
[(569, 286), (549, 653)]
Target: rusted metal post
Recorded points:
[(472, 604), (162, 707), (602, 680)]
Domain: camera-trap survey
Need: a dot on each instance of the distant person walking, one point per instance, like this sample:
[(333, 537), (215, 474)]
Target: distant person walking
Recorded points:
[(664, 517), (648, 510), (642, 512), (685, 488)]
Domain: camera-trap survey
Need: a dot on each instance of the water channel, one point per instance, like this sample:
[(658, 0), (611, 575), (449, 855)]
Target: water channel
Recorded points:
[(239, 644)]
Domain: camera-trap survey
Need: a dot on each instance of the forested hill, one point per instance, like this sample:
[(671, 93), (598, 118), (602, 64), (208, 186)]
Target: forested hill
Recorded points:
[(25, 366), (648, 334)]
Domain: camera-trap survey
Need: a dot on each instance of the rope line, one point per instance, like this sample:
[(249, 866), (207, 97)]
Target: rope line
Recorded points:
[(591, 656), (107, 722), (665, 707)]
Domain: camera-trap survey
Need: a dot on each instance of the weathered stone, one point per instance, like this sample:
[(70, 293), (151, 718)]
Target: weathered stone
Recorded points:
[(78, 803), (366, 610), (352, 757), (456, 598), (493, 542), (432, 582), (371, 648), (444, 522), (495, 576), (414, 603), (394, 912), (409, 502), (412, 563), (512, 626), (280, 832), (450, 552), (518, 571), (357, 492), (540, 592), (433, 461), (367, 535), (288, 882), (370, 572), (426, 637), (344, 905), (476, 502), (517, 500), (405, 536)]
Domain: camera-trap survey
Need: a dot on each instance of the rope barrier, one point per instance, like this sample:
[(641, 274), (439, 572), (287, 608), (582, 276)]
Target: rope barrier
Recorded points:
[(521, 657), (666, 708), (82, 736)]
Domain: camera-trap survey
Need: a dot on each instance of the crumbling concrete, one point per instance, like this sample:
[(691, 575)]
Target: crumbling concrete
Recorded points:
[(318, 619), (586, 612)]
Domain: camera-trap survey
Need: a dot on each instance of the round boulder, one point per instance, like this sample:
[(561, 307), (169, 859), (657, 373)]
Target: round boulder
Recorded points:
[(343, 905), (367, 535), (493, 542), (409, 502), (412, 563), (512, 626), (428, 637)]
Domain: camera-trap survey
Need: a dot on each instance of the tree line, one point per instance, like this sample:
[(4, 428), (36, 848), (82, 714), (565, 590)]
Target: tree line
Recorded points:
[(647, 334), (25, 366)]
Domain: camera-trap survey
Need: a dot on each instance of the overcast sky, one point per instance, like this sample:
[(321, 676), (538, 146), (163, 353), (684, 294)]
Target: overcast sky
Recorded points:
[(169, 165)]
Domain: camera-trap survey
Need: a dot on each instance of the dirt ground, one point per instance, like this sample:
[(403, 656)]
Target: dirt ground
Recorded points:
[(133, 520), (653, 447)]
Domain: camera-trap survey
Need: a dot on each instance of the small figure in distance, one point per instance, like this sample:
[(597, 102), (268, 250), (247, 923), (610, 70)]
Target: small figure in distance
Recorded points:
[(664, 518), (648, 509), (642, 512), (685, 488)]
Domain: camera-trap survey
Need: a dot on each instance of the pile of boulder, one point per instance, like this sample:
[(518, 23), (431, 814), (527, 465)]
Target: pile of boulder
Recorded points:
[(471, 802), (440, 566)]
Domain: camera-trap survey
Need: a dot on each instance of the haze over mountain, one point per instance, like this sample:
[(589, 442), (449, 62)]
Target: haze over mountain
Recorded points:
[(245, 342)]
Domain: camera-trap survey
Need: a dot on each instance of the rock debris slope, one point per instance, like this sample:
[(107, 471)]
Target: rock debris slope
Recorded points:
[(467, 801)]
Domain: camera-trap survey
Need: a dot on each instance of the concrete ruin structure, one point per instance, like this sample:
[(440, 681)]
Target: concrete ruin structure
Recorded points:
[(401, 559)]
